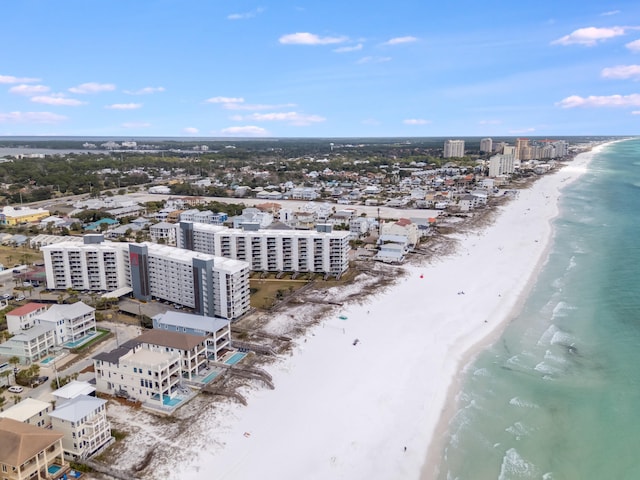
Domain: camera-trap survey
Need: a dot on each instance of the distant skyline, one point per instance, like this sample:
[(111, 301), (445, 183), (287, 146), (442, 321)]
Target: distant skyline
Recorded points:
[(319, 69)]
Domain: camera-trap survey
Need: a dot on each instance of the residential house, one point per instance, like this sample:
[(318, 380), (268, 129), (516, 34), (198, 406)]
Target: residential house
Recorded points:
[(30, 345), (191, 348), (30, 410), (73, 389), (165, 231), (83, 422), (27, 452), (140, 374), (216, 330), (22, 318), (72, 323)]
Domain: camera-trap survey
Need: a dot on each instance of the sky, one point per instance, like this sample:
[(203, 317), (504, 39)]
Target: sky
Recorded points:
[(407, 68)]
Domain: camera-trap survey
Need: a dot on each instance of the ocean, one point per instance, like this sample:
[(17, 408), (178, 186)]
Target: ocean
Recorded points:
[(558, 395)]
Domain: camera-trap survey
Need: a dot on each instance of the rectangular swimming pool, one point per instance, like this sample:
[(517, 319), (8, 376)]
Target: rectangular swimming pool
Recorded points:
[(235, 358)]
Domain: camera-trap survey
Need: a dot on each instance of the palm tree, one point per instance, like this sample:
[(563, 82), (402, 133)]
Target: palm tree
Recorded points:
[(7, 374)]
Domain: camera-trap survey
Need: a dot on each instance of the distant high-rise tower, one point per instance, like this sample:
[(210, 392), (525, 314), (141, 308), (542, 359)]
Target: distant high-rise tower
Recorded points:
[(486, 145), (523, 150), (453, 148)]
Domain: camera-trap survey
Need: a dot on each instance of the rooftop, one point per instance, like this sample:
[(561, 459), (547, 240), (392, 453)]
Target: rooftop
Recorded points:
[(20, 441), (195, 322), (164, 338), (77, 408), (24, 410), (27, 309)]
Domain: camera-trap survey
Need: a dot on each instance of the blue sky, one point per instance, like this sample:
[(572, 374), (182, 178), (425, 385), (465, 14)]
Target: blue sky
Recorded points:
[(208, 68)]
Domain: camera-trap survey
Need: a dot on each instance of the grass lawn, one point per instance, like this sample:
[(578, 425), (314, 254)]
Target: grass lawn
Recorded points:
[(265, 292)]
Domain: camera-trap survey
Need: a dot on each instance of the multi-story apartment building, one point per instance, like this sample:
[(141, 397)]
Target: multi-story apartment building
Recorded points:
[(501, 164), (321, 251), (453, 148), (210, 285), (28, 452), (163, 232), (138, 373), (486, 145), (206, 216), (93, 265), (83, 422)]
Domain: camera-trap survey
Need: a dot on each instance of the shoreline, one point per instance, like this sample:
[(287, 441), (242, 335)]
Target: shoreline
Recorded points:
[(439, 439)]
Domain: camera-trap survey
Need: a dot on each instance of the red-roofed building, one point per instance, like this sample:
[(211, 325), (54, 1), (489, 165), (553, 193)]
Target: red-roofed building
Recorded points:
[(22, 317)]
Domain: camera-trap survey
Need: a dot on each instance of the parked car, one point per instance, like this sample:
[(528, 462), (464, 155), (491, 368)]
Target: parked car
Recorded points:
[(19, 298), (16, 389)]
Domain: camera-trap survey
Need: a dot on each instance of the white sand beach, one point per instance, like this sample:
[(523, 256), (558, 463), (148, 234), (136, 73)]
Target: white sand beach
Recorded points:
[(372, 410)]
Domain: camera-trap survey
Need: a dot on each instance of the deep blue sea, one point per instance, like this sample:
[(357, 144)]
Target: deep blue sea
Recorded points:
[(558, 396)]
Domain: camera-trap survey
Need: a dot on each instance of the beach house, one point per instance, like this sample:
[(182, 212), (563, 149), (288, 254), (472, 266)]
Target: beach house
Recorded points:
[(30, 410)]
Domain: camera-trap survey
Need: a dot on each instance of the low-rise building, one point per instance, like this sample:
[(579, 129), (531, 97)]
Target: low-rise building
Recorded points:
[(15, 215), (73, 389), (30, 410), (27, 452), (163, 232), (148, 376), (216, 330), (30, 345), (71, 322), (83, 422), (23, 318)]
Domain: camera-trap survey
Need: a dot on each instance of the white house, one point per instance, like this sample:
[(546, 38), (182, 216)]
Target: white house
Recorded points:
[(83, 421), (70, 322), (23, 318), (73, 389), (30, 345), (31, 411), (165, 231)]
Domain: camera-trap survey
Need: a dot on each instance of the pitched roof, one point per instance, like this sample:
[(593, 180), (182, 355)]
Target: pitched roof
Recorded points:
[(64, 311), (77, 408), (26, 309), (180, 341), (20, 441)]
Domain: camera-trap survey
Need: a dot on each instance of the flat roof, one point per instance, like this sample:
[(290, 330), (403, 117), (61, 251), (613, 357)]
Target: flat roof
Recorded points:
[(73, 389), (24, 410), (165, 338), (195, 322)]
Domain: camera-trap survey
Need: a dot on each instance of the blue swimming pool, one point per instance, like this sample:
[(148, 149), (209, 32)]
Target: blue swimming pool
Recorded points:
[(235, 358), (46, 361), (210, 377), (53, 469), (80, 341)]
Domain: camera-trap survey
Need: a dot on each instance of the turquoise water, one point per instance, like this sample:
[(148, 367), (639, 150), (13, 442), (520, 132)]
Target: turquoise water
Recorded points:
[(47, 360), (172, 402), (52, 469), (210, 377), (235, 358), (80, 341), (557, 396)]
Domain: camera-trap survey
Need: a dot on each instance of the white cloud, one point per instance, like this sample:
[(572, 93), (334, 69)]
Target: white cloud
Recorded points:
[(353, 48), (247, 131), (31, 117), (12, 79), (124, 106), (609, 13), (634, 46), (225, 100), (400, 40), (58, 100), (370, 59), (573, 101), (246, 15), (256, 106), (29, 90), (305, 38), (292, 118), (622, 72), (590, 36), (93, 87), (136, 125), (490, 122), (520, 131), (416, 121), (144, 91), (635, 112), (190, 130)]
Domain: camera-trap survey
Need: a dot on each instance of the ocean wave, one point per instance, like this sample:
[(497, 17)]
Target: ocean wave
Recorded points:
[(547, 369), (547, 335), (519, 402), (482, 372), (562, 338), (514, 466), (519, 429), (549, 355), (560, 310)]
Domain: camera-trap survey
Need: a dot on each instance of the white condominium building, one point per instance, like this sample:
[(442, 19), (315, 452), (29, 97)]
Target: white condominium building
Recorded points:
[(92, 265), (322, 251), (453, 148), (501, 164), (486, 145), (210, 285)]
